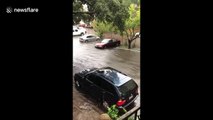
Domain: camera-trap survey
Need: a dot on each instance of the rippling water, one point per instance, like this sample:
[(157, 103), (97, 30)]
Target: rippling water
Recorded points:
[(85, 55)]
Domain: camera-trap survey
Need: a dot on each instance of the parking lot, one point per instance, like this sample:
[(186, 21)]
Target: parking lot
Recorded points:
[(85, 55)]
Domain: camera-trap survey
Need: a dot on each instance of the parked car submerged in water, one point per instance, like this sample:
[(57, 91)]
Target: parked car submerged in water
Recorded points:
[(106, 43), (79, 31), (108, 86), (89, 38)]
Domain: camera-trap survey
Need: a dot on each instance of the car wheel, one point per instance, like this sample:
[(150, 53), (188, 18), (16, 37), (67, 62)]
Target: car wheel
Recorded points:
[(82, 34), (77, 85), (117, 44), (105, 47), (97, 39), (86, 41)]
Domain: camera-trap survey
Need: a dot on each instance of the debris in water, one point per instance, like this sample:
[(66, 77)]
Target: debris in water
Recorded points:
[(85, 106)]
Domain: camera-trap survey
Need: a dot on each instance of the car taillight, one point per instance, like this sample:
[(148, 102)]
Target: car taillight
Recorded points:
[(120, 102)]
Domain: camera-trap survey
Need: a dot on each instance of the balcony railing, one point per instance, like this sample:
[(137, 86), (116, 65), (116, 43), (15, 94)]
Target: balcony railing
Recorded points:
[(135, 112)]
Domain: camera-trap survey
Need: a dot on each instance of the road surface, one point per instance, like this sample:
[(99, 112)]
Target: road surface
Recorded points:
[(85, 55)]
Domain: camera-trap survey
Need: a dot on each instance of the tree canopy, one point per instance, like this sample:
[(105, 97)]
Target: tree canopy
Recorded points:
[(112, 11), (122, 16), (102, 27)]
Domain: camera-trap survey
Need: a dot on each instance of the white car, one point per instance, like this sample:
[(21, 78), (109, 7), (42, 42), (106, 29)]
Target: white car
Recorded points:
[(79, 31), (89, 38)]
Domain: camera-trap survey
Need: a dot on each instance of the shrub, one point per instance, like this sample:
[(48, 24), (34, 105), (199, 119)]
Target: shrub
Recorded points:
[(113, 112)]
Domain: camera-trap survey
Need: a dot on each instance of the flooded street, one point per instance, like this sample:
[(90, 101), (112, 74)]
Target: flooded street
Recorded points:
[(85, 55)]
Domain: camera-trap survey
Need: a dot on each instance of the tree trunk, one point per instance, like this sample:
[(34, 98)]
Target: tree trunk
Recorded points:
[(129, 44), (101, 35), (122, 39)]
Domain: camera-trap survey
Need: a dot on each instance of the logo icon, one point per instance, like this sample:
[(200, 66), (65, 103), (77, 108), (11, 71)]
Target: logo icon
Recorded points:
[(9, 10)]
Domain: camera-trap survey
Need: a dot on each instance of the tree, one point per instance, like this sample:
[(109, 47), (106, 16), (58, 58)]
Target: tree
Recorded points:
[(79, 13), (115, 12), (102, 27), (129, 2), (111, 11), (131, 23)]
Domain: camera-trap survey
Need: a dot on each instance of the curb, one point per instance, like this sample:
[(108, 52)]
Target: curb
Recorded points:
[(134, 50)]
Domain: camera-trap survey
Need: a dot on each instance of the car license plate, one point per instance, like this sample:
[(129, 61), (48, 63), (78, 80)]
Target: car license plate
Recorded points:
[(131, 97)]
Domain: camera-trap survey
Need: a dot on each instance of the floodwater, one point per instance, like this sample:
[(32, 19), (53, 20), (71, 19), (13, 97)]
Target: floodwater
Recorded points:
[(85, 56)]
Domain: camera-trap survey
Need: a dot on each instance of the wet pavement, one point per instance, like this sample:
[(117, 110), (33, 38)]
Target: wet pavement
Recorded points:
[(85, 55)]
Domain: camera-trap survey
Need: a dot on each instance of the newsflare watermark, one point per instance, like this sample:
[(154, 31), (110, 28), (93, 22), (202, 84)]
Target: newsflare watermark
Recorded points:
[(21, 10)]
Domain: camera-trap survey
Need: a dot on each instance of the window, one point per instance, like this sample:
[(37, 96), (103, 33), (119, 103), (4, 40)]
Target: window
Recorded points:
[(90, 77), (95, 79), (126, 87), (110, 41), (105, 41), (89, 36), (108, 87)]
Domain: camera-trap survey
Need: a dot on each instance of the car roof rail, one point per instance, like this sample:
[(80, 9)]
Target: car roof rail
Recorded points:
[(100, 71), (114, 70)]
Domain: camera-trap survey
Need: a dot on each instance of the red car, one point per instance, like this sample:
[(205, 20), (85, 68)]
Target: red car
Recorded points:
[(106, 43)]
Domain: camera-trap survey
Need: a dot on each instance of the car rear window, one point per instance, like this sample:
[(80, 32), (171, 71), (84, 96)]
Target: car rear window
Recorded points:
[(126, 87)]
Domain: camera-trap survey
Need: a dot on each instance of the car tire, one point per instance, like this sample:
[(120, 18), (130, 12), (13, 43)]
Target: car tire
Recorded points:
[(86, 41), (97, 39), (104, 47), (77, 85), (82, 34), (117, 44)]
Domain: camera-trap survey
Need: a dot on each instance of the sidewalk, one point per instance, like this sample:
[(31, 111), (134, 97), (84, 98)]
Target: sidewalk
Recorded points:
[(125, 48)]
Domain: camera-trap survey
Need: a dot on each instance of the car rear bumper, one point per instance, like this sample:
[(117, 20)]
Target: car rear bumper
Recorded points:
[(132, 101)]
